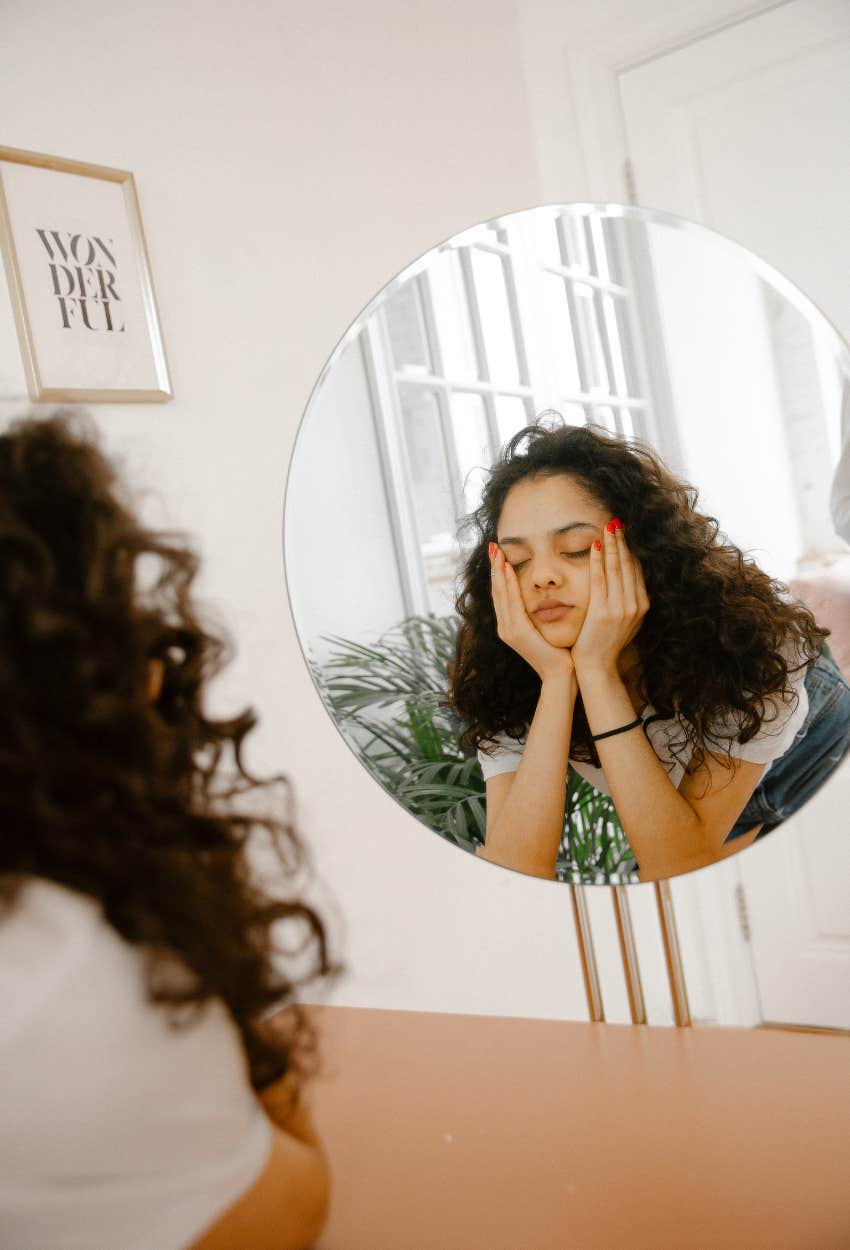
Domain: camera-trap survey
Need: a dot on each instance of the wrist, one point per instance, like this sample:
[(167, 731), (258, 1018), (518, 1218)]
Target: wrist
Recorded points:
[(596, 670), (563, 677)]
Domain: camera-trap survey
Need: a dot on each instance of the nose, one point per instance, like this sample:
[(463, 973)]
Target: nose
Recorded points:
[(546, 570)]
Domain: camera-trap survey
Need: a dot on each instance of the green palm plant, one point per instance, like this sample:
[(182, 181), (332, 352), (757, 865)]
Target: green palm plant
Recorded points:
[(389, 701)]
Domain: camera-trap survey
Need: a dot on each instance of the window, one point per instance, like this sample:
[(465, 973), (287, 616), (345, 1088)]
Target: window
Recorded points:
[(532, 312)]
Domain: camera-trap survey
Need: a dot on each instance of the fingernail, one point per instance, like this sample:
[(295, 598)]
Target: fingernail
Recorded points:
[(492, 550), (613, 525), (597, 545)]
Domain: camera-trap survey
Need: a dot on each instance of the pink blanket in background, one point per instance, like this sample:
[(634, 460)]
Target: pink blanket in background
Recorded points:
[(824, 587)]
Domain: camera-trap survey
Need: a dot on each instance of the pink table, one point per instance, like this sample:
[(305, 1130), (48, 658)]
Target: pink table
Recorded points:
[(454, 1132)]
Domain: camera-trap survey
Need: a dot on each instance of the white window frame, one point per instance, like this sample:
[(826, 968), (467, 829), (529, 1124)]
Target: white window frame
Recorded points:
[(536, 388)]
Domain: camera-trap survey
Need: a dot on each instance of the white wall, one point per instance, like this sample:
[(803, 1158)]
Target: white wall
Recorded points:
[(289, 160)]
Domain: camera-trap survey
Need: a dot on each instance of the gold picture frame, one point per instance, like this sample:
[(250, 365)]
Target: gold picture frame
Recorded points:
[(79, 280)]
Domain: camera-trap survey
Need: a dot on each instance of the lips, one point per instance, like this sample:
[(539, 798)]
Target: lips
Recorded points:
[(552, 610)]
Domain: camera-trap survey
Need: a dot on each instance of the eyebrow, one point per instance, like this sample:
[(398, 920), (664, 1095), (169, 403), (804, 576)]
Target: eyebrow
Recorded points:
[(555, 533)]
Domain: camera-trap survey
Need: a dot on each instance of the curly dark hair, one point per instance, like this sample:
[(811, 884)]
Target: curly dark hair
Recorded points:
[(109, 792), (718, 633)]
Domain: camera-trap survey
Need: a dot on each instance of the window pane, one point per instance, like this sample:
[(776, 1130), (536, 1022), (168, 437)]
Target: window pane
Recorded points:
[(603, 414), (615, 240), (575, 414), (511, 416), (627, 422), (594, 359), (451, 313), (406, 328), (612, 327), (430, 483), (472, 445), (545, 234), (441, 570), (574, 242), (495, 317), (562, 339), (600, 251), (625, 345)]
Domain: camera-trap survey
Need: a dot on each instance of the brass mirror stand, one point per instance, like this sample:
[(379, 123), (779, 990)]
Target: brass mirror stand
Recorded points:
[(629, 954)]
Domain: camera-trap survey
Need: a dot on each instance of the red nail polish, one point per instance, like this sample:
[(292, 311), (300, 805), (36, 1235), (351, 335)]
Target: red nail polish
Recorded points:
[(492, 550), (614, 524), (597, 545)]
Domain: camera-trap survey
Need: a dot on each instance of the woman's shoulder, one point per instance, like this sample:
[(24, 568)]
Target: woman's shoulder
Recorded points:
[(45, 931), (51, 906), (58, 950)]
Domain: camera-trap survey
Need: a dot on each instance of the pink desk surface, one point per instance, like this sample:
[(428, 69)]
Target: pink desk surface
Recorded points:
[(455, 1132)]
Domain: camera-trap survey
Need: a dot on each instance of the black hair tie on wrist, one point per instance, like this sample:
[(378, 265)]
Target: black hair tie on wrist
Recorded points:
[(609, 733)]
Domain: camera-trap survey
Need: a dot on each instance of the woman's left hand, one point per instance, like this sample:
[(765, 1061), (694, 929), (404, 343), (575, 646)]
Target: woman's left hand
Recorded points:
[(618, 603)]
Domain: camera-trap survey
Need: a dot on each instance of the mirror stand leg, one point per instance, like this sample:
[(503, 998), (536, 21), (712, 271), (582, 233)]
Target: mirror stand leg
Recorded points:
[(589, 968), (628, 951), (672, 954)]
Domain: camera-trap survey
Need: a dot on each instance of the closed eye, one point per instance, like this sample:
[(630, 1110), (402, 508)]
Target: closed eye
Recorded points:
[(570, 555)]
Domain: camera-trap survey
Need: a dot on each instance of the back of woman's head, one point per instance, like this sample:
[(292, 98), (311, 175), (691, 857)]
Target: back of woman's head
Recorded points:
[(718, 632), (76, 635), (113, 783)]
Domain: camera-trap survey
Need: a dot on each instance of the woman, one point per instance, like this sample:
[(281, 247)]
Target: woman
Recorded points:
[(606, 623), (149, 1100)]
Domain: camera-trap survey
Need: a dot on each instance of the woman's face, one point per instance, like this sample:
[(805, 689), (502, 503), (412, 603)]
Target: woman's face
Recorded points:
[(545, 529)]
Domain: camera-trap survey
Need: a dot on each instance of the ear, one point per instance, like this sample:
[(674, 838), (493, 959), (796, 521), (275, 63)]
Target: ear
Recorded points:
[(156, 673)]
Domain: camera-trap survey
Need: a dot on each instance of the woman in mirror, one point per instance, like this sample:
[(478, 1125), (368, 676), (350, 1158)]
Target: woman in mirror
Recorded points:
[(146, 1079), (608, 625)]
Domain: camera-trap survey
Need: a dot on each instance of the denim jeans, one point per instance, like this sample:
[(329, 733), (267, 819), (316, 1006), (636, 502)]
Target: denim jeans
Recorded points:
[(818, 748)]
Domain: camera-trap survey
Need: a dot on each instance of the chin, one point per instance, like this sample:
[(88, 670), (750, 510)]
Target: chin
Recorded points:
[(559, 633)]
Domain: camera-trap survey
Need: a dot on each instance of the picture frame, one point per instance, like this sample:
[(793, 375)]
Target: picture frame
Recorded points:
[(80, 282)]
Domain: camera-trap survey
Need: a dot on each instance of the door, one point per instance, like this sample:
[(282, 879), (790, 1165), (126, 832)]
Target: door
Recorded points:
[(747, 131)]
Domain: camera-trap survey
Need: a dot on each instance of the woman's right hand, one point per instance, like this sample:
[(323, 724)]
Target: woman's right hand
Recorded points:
[(516, 628)]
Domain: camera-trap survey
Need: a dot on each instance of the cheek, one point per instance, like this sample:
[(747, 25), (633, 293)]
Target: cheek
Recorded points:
[(581, 585), (526, 590), (580, 594), (578, 617)]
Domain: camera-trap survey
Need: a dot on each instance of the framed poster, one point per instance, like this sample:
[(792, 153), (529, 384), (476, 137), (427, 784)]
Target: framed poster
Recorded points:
[(79, 281)]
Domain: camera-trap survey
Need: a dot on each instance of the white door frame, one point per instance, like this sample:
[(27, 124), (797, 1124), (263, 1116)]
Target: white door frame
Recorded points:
[(574, 96)]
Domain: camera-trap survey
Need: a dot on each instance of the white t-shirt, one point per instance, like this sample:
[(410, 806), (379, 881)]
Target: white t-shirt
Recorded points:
[(771, 741), (116, 1133)]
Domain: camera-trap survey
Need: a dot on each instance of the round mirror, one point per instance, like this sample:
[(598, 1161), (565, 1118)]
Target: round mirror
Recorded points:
[(556, 537)]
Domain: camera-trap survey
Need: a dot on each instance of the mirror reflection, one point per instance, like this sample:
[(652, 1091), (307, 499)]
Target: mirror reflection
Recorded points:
[(557, 534)]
